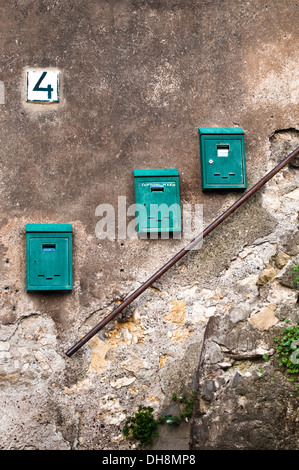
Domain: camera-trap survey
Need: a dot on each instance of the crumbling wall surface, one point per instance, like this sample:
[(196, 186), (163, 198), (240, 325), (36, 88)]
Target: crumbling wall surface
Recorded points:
[(138, 77), (245, 400)]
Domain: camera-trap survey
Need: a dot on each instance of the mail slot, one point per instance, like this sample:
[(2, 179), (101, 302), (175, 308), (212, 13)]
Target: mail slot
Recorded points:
[(157, 197), (157, 188), (222, 156), (49, 246), (49, 257)]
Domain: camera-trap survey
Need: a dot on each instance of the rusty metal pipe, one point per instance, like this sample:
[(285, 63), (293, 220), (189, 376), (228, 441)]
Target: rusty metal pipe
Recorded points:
[(182, 253)]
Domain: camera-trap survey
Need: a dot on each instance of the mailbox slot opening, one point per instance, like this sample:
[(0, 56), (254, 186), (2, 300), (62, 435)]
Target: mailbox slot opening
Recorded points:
[(222, 150), (157, 187), (48, 247)]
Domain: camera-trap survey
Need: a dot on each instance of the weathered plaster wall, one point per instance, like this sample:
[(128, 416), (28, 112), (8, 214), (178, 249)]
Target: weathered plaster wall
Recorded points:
[(245, 401), (138, 79)]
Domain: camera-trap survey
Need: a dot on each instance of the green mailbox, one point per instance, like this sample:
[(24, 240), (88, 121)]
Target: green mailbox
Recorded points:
[(157, 196), (222, 156), (49, 257)]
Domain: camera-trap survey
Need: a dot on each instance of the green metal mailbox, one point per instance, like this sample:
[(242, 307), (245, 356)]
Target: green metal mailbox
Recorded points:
[(157, 196), (49, 257), (222, 156)]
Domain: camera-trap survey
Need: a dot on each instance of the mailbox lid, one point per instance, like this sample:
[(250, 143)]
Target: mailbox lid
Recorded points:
[(66, 228), (155, 172), (220, 130)]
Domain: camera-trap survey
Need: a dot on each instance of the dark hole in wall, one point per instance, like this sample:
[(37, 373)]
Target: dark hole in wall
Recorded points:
[(283, 142)]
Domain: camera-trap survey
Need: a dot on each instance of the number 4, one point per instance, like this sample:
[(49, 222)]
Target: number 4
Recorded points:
[(37, 87)]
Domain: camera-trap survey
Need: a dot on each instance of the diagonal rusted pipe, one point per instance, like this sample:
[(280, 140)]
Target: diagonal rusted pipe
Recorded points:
[(182, 253)]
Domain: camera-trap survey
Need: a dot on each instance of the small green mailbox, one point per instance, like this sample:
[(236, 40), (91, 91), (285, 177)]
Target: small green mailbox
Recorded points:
[(222, 156), (157, 196), (49, 257)]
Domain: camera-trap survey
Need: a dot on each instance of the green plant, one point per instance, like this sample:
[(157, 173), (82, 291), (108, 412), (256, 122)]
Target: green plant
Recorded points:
[(184, 414), (287, 350), (296, 270), (287, 346), (143, 426)]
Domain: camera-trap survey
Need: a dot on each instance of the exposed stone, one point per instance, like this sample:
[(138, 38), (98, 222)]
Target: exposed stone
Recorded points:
[(211, 295), (136, 317), (249, 280), (134, 363), (180, 335), (266, 275), (125, 333), (225, 365), (176, 312), (163, 359), (127, 336), (4, 346), (11, 378), (83, 385), (281, 259), (110, 411), (281, 295), (208, 390), (200, 312), (265, 319), (99, 350), (122, 382), (251, 402), (238, 314), (214, 353), (292, 244), (293, 195)]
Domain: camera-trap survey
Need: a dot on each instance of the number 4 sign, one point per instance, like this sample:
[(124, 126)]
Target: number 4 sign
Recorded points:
[(42, 86)]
